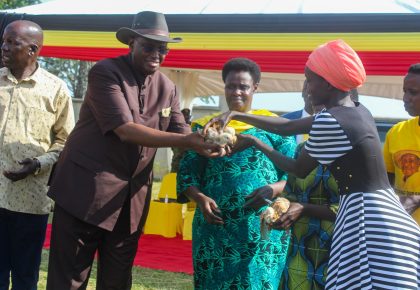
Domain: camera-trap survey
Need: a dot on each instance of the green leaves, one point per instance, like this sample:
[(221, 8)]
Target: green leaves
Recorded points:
[(11, 4)]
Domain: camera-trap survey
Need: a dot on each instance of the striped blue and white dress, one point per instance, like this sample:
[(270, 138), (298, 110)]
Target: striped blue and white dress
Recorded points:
[(376, 243)]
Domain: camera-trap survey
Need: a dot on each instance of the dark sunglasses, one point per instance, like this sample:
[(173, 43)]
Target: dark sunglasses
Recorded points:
[(149, 48)]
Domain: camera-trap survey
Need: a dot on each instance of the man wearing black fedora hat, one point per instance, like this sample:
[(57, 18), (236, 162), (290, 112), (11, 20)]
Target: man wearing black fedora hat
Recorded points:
[(102, 181)]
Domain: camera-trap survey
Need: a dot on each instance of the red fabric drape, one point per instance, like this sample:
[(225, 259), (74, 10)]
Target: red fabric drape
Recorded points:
[(375, 62)]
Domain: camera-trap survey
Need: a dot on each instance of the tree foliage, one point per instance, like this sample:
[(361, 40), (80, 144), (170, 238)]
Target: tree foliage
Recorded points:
[(11, 4), (73, 72)]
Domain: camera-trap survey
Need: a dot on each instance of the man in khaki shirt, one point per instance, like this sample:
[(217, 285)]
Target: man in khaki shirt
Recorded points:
[(36, 116)]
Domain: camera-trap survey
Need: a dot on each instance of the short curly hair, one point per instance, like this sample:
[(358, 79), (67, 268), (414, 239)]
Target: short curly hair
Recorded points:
[(242, 64), (414, 69)]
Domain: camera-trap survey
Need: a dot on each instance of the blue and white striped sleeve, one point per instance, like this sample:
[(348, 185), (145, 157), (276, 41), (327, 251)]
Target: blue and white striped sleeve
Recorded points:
[(327, 140)]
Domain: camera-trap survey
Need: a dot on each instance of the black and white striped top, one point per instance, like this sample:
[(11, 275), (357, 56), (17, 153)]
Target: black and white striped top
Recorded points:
[(327, 140)]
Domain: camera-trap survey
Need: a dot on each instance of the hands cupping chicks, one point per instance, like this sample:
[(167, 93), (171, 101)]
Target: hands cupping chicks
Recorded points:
[(220, 137), (272, 213), (223, 137)]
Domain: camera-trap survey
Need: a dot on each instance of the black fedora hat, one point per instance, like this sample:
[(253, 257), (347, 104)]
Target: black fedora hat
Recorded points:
[(147, 24)]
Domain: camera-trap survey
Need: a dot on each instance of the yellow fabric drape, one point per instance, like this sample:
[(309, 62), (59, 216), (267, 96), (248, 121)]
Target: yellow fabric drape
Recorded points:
[(237, 125), (164, 219), (365, 41)]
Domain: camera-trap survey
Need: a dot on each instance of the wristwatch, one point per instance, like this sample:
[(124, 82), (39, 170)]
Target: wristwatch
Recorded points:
[(38, 166)]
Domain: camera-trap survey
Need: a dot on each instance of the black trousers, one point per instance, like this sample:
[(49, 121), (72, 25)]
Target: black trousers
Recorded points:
[(73, 247), (21, 238)]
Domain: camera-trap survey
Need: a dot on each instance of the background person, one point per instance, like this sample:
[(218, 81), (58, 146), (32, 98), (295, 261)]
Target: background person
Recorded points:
[(36, 116), (103, 179), (311, 235), (402, 146), (228, 251), (305, 112)]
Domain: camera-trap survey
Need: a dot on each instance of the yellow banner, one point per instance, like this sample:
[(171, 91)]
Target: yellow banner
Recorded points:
[(247, 41)]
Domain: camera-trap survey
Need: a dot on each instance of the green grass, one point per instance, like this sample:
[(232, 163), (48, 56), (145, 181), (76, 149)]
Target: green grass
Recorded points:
[(143, 278)]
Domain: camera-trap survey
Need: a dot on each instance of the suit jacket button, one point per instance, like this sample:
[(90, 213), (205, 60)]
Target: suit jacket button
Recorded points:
[(350, 176), (338, 167), (347, 188)]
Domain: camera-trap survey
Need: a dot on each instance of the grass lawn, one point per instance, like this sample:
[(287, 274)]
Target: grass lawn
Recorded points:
[(143, 278)]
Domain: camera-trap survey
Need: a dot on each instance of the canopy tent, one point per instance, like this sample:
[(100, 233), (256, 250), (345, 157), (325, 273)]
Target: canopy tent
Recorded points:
[(278, 36)]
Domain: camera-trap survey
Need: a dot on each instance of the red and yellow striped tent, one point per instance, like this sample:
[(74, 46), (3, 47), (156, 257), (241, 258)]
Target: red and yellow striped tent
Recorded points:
[(279, 43)]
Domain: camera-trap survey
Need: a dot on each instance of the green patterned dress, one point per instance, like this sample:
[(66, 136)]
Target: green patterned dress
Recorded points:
[(234, 256), (306, 266)]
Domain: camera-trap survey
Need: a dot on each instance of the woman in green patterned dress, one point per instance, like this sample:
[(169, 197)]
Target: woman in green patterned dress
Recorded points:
[(228, 251), (306, 266)]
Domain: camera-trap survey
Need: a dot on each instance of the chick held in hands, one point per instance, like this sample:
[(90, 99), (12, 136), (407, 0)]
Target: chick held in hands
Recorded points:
[(222, 137), (219, 136), (272, 213)]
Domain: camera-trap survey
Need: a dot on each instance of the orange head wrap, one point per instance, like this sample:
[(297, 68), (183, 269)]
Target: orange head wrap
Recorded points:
[(339, 64)]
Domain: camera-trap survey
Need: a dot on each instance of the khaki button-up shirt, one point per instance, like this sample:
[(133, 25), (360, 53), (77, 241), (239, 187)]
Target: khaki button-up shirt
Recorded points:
[(36, 117)]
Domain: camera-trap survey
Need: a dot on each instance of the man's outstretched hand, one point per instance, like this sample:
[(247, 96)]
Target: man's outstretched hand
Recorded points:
[(197, 143), (29, 166)]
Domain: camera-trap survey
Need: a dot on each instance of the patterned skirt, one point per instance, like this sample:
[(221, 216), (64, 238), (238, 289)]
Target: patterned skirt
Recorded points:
[(376, 244)]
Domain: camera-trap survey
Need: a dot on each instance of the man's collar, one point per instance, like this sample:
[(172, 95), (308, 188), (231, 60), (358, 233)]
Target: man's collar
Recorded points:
[(35, 77)]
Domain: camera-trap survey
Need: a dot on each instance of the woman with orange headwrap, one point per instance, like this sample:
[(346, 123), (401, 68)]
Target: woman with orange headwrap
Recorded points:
[(376, 244)]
